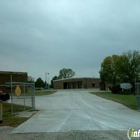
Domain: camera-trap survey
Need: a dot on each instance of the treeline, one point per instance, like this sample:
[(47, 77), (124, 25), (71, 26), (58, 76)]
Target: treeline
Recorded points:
[(63, 73), (121, 68)]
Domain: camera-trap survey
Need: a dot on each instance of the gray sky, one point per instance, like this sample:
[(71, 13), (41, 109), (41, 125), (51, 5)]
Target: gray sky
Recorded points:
[(38, 36)]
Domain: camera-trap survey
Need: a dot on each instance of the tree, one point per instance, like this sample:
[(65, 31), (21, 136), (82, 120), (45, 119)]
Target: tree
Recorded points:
[(66, 73), (39, 83), (54, 78), (109, 70), (123, 68), (129, 68), (31, 79)]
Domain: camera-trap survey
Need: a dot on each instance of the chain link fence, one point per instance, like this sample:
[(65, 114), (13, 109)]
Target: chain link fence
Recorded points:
[(22, 95), (26, 98)]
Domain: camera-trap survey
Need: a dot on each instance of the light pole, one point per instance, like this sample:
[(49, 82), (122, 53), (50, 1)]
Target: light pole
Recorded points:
[(46, 78)]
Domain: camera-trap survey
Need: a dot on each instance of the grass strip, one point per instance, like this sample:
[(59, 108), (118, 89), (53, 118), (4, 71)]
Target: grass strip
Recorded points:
[(8, 119), (44, 92), (127, 100)]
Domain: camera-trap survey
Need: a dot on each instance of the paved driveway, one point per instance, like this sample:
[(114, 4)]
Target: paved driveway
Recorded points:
[(69, 110)]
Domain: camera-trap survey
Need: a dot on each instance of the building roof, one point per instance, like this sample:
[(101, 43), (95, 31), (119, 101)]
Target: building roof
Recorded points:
[(12, 72), (75, 78)]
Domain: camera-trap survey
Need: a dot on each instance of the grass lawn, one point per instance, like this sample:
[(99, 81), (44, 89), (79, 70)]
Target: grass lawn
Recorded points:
[(8, 119), (44, 92), (127, 100)]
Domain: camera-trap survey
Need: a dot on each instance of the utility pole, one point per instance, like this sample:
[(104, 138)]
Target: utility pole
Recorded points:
[(46, 78)]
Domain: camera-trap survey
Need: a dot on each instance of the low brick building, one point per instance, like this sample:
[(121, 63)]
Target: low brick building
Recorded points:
[(77, 83), (5, 77)]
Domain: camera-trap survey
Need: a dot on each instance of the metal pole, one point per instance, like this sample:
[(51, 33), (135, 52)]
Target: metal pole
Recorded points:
[(11, 96), (1, 111), (48, 80), (45, 79), (32, 100), (24, 95), (33, 88)]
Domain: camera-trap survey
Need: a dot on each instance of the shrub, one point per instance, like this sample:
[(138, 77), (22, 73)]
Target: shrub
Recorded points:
[(116, 89)]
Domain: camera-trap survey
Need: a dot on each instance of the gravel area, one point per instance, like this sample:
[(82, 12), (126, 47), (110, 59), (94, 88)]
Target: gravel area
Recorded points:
[(5, 134)]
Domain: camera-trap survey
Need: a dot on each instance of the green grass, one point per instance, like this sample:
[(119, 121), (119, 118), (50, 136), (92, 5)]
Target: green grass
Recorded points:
[(44, 92), (8, 119), (127, 100)]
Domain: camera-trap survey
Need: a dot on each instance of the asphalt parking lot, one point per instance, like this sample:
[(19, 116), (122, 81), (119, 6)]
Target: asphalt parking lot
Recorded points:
[(78, 110)]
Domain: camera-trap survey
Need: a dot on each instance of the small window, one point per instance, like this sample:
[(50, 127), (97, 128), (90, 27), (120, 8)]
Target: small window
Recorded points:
[(93, 84)]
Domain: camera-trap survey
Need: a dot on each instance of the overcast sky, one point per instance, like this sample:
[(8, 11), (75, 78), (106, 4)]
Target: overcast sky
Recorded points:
[(38, 36)]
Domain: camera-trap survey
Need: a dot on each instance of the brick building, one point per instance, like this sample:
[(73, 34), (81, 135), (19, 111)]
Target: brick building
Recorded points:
[(77, 83), (5, 77)]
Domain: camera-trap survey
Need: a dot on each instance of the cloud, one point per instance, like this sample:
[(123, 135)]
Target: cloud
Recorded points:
[(39, 36)]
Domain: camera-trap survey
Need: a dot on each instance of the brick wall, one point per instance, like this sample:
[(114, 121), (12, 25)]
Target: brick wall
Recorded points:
[(77, 83), (16, 77)]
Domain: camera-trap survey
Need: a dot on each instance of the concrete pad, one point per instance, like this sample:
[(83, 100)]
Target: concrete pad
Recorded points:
[(25, 114), (69, 110)]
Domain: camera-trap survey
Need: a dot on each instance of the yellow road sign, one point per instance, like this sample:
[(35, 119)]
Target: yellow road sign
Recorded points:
[(18, 90)]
